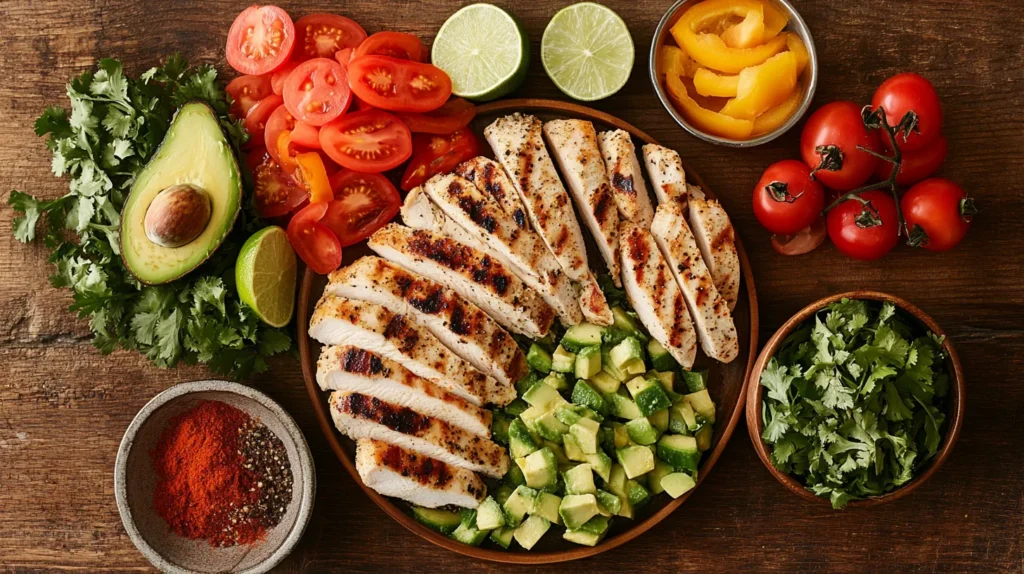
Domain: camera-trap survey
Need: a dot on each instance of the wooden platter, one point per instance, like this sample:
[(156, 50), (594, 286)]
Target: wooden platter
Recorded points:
[(727, 383)]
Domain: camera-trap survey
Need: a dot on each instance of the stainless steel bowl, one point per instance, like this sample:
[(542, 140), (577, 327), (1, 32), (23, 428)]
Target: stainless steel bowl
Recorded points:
[(809, 79)]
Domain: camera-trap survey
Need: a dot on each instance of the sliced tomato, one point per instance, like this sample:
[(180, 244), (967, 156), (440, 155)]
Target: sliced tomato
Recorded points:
[(257, 118), (317, 91), (275, 193), (260, 40), (454, 114), (434, 154), (368, 141), (344, 57), (255, 157), (363, 203), (245, 92), (279, 122), (306, 135), (399, 85), (313, 241), (804, 241), (322, 35), (280, 75), (395, 44)]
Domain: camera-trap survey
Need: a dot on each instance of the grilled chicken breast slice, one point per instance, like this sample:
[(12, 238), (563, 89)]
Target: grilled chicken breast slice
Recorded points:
[(359, 416), (709, 310), (419, 212), (593, 303), (489, 177), (717, 241), (518, 144), (668, 178), (472, 273), (655, 296), (626, 177), (394, 471), (574, 145), (342, 321)]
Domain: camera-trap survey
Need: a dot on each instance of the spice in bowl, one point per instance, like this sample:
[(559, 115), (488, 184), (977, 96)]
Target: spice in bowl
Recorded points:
[(222, 476)]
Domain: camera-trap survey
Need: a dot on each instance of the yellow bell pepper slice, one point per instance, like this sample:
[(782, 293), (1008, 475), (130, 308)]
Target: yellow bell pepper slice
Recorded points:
[(796, 45), (748, 33), (710, 51), (314, 175), (705, 119), (778, 115), (708, 83), (774, 20), (763, 87), (672, 60)]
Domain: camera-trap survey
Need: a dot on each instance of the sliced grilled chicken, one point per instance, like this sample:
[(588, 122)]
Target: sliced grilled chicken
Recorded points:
[(419, 212), (518, 145), (717, 241), (394, 471), (709, 310), (593, 303), (655, 295), (359, 416), (347, 368), (666, 172), (489, 177), (574, 145), (474, 274), (625, 176), (342, 321)]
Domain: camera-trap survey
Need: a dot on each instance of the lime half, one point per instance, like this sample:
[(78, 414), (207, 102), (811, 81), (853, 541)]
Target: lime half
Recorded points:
[(265, 275), (484, 50), (587, 51)]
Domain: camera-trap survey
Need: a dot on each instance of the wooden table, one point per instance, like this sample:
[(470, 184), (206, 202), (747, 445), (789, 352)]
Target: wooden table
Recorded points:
[(64, 407)]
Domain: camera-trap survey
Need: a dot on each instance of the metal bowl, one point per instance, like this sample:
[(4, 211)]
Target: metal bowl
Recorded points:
[(808, 80)]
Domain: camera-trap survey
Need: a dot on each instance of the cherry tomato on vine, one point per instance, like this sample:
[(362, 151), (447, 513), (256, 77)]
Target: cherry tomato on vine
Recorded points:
[(941, 210), (903, 93), (786, 199), (864, 231), (917, 165), (322, 35), (260, 40), (829, 145), (804, 241), (313, 241)]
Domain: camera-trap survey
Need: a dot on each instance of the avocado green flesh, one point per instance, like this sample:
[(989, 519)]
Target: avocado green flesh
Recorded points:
[(195, 152)]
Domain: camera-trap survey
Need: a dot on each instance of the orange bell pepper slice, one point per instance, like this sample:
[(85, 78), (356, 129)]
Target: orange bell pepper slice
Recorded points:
[(778, 115), (748, 33), (708, 83), (774, 20), (710, 50), (314, 175), (763, 87), (799, 49), (705, 119), (672, 60)]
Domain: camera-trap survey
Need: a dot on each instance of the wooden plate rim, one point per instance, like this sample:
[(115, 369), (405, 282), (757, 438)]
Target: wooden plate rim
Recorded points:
[(327, 426)]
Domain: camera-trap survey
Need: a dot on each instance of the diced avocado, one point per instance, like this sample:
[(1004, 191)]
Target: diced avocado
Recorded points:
[(694, 381), (499, 427), (579, 480), (520, 440), (469, 535), (703, 437), (489, 515), (641, 431), (549, 427), (572, 448), (563, 361), (635, 460), (621, 435), (584, 394), (686, 416), (600, 463), (605, 383), (516, 407), (503, 536), (702, 404), (621, 406), (502, 492), (606, 439), (661, 470), (616, 484), (583, 335), (627, 354), (556, 381), (585, 432), (588, 362), (546, 506), (577, 509), (538, 358), (627, 509), (660, 420), (543, 396), (622, 319), (514, 477), (443, 521), (649, 395), (667, 380), (556, 447), (679, 451), (661, 359), (526, 382), (607, 366), (637, 494), (571, 414), (611, 503), (540, 469), (677, 484), (519, 504), (590, 533), (531, 531)]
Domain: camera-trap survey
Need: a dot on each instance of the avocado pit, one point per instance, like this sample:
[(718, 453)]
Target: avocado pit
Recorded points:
[(177, 215)]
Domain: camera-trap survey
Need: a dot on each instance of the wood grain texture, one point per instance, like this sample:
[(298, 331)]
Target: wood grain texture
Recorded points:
[(63, 406)]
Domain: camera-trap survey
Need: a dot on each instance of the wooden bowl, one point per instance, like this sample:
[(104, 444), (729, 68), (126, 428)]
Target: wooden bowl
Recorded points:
[(727, 386), (955, 406)]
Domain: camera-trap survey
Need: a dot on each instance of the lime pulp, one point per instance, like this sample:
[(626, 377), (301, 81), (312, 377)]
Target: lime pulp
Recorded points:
[(587, 51), (265, 275)]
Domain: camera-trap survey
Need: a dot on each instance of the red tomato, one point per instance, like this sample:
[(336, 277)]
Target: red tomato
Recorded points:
[(454, 114), (434, 154), (804, 241), (256, 120), (367, 141), (941, 210), (313, 241), (862, 231), (829, 145), (260, 39), (280, 75), (344, 57), (322, 35), (395, 44), (255, 157), (306, 135), (363, 203), (245, 91), (903, 93), (275, 193), (786, 199), (399, 85), (317, 91), (280, 121), (917, 165)]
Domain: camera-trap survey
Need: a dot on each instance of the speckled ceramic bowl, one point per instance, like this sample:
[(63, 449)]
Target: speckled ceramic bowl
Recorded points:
[(135, 481)]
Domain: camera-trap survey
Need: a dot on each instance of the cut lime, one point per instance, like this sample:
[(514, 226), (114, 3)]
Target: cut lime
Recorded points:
[(587, 51), (484, 50), (265, 275)]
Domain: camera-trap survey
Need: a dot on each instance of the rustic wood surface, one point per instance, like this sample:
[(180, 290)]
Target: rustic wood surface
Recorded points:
[(63, 406)]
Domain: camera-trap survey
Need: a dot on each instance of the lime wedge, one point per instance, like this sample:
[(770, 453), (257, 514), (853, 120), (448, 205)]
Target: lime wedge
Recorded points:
[(484, 50), (587, 51), (265, 275)]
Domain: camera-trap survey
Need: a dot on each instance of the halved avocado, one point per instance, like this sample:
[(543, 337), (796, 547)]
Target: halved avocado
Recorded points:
[(184, 202)]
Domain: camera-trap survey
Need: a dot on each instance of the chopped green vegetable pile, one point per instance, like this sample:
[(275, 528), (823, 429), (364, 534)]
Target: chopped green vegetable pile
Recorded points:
[(854, 402), (115, 125)]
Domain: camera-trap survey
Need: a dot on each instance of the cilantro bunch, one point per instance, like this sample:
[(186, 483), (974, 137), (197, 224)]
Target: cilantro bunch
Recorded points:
[(115, 125), (855, 401)]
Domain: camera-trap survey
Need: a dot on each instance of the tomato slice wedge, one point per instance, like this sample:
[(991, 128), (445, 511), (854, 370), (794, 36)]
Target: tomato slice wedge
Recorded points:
[(258, 116), (363, 203), (322, 35), (245, 92), (317, 91), (395, 44), (313, 241), (275, 193), (804, 241), (434, 154), (368, 141), (260, 40), (280, 75), (254, 157), (279, 122), (344, 57), (398, 85), (306, 135), (454, 114)]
